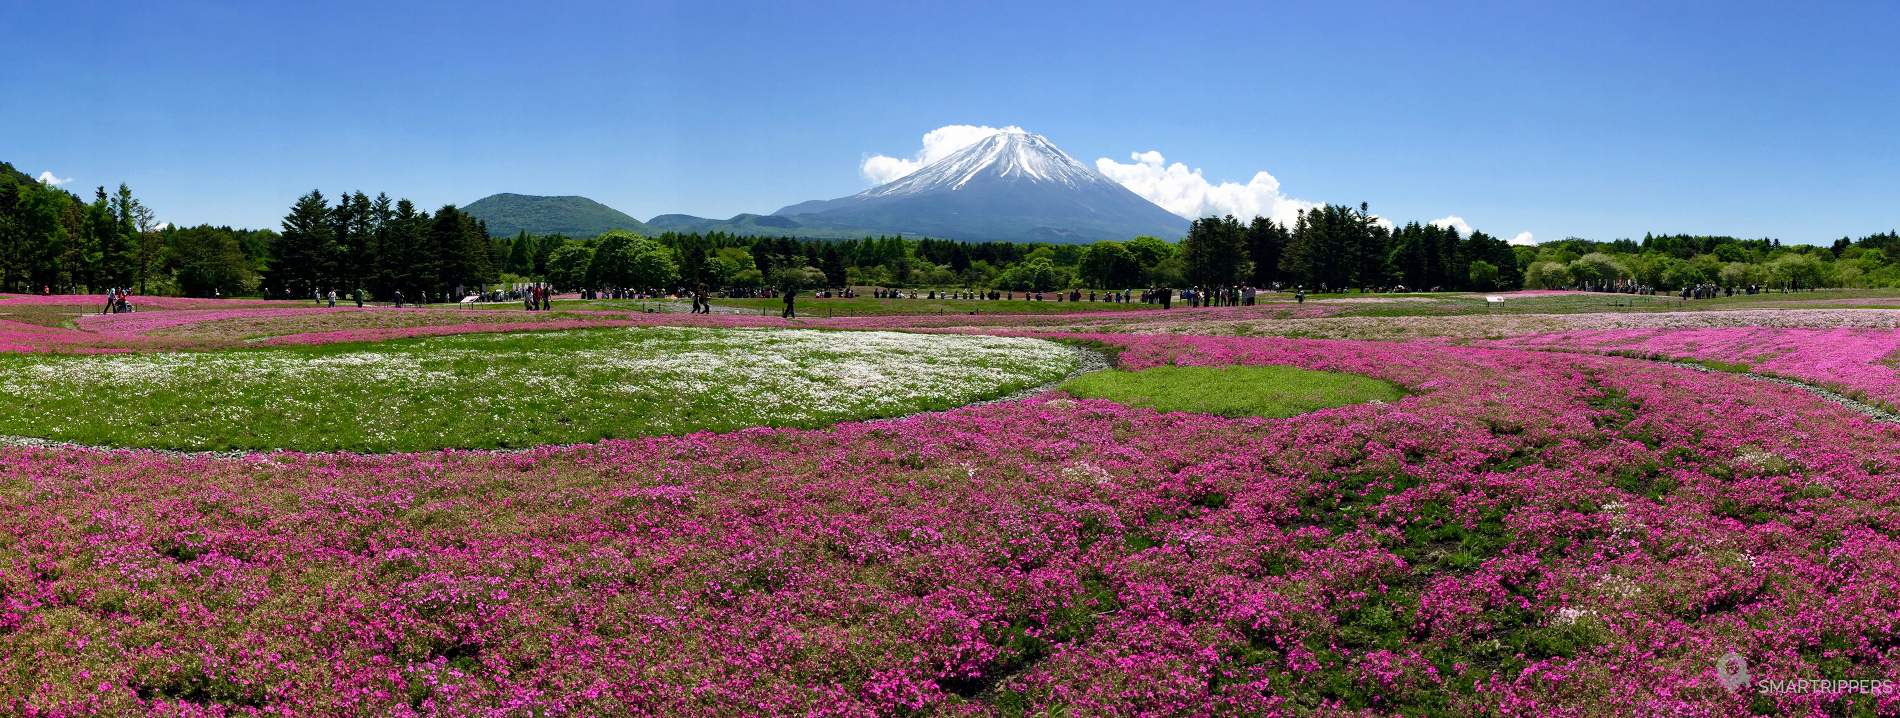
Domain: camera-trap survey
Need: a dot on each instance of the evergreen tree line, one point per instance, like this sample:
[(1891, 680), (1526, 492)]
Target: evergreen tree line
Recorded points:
[(381, 246), (1335, 247), (52, 240)]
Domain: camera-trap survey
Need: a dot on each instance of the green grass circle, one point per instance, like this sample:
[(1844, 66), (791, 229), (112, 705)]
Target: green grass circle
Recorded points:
[(509, 390), (1270, 391)]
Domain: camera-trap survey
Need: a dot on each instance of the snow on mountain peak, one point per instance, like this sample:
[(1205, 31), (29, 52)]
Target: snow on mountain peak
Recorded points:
[(1010, 153), (984, 183)]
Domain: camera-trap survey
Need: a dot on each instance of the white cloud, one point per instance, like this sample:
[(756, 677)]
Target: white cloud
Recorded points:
[(1465, 230), (1186, 192), (938, 144), (1455, 222), (1175, 187), (47, 177)]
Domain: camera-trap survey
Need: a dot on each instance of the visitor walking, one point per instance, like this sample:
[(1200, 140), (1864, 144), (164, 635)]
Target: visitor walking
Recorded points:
[(790, 312), (332, 299), (359, 297)]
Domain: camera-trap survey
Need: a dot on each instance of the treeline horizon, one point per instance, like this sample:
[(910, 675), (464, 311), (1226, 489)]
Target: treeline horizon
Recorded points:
[(52, 240)]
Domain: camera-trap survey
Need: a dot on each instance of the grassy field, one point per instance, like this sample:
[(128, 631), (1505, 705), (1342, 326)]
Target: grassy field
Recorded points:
[(809, 306), (508, 390), (1271, 391), (1343, 304)]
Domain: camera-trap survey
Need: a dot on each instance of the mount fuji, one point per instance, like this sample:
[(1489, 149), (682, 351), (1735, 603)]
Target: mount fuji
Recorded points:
[(1013, 185)]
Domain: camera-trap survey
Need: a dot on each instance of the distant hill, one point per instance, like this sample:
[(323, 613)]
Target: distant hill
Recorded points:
[(578, 217), (13, 176), (757, 225)]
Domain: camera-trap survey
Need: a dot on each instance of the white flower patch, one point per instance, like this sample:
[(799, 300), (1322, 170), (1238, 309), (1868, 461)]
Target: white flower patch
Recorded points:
[(1087, 472), (744, 376), (1618, 586)]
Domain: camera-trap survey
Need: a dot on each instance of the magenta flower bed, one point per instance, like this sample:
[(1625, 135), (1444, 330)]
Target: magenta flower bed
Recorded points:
[(1528, 534), (24, 337), (386, 333), (139, 323), (200, 324), (97, 301), (1863, 363), (204, 329)]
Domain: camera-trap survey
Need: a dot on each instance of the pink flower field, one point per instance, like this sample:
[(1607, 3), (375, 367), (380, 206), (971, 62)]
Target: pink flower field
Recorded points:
[(1863, 363), (1527, 533), (143, 302)]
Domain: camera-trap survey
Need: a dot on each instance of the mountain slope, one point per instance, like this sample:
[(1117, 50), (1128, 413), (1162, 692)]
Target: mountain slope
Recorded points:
[(579, 217), (751, 225), (13, 176), (1014, 185)]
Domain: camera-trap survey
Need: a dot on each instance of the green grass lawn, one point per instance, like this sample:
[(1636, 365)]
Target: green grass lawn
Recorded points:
[(509, 390), (1414, 304), (1271, 391)]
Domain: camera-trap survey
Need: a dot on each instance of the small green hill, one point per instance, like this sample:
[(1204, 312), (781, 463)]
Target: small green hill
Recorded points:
[(579, 217), (13, 176), (752, 225)]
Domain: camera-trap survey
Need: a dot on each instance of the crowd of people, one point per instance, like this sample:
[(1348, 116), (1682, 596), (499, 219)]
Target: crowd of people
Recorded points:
[(118, 301), (1195, 296), (1711, 291), (538, 297), (1705, 290)]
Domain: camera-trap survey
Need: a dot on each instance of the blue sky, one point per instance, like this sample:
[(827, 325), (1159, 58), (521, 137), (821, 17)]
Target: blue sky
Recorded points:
[(1586, 119)]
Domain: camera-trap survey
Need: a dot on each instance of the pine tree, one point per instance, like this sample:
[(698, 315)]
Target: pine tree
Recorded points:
[(447, 244), (376, 266), (352, 225), (408, 259), (477, 250), (521, 254), (833, 265), (1266, 240), (115, 240), (308, 242), (1215, 252), (1373, 253)]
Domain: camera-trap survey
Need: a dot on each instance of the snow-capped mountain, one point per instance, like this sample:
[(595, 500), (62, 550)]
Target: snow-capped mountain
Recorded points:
[(1009, 153), (1013, 185)]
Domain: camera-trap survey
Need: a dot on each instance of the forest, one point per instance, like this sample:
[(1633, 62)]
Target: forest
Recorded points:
[(55, 241)]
